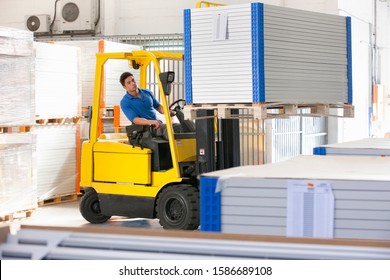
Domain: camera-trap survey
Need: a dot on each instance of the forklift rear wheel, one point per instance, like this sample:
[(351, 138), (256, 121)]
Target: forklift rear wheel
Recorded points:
[(90, 208), (178, 207)]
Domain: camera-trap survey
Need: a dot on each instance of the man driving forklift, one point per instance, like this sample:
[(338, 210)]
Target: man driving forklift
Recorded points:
[(139, 106), (121, 179)]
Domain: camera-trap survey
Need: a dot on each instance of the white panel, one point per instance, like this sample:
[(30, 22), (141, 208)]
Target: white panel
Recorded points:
[(305, 56), (253, 198), (367, 146), (56, 160), (221, 70), (56, 244), (295, 42), (57, 80), (87, 68)]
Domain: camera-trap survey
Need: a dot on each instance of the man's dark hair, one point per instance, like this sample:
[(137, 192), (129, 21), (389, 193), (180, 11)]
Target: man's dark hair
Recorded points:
[(124, 76)]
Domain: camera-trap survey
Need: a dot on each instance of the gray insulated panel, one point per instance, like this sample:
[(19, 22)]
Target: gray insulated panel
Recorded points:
[(263, 53), (254, 199), (361, 147)]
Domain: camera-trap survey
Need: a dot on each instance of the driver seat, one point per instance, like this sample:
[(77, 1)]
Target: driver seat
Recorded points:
[(187, 125)]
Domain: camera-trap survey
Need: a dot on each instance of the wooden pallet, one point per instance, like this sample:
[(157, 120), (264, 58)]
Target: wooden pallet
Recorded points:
[(58, 121), (23, 214), (59, 199), (272, 110), (15, 129)]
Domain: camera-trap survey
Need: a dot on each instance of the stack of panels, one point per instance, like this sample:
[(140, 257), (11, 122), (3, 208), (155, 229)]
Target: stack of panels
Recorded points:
[(362, 147), (18, 190), (88, 50), (127, 244), (253, 199), (57, 82), (266, 54), (113, 69), (16, 77), (56, 160), (221, 70)]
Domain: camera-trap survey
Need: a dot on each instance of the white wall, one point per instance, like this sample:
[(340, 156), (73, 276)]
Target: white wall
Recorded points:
[(159, 17), (382, 126), (361, 12), (124, 17), (13, 12), (363, 27)]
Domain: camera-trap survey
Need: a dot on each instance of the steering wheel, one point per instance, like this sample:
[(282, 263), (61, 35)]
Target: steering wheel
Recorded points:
[(177, 105)]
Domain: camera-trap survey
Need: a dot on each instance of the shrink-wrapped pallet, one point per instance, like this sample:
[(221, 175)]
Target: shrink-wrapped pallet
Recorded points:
[(16, 78), (18, 190)]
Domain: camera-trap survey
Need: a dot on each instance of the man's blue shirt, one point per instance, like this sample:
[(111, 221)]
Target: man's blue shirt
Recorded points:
[(142, 107)]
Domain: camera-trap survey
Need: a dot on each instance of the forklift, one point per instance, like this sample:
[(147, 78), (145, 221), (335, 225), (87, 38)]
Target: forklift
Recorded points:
[(121, 178)]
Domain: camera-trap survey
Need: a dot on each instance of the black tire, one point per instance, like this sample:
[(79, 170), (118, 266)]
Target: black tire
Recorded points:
[(178, 207), (90, 208)]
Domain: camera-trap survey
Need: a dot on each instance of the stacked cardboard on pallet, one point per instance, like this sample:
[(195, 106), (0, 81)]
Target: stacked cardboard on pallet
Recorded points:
[(17, 113), (252, 53), (307, 196)]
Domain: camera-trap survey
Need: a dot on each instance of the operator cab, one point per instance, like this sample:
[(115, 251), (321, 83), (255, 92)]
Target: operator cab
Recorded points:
[(145, 136)]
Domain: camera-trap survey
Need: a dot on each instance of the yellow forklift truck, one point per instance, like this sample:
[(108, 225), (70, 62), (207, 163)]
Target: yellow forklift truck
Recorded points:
[(120, 178)]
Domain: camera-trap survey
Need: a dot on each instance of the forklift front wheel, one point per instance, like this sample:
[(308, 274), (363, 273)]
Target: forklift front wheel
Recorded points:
[(90, 208), (178, 207)]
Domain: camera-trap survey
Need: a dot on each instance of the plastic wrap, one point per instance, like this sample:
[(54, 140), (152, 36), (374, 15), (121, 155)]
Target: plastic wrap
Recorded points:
[(18, 190), (16, 78), (16, 42)]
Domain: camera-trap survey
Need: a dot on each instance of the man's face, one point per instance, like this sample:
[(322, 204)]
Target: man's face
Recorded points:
[(130, 85)]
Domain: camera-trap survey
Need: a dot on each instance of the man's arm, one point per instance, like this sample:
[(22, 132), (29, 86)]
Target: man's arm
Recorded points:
[(142, 121), (160, 109)]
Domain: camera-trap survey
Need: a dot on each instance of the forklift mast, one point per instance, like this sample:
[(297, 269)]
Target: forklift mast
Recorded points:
[(137, 59)]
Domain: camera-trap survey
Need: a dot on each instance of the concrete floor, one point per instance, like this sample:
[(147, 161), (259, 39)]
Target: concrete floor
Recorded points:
[(67, 214)]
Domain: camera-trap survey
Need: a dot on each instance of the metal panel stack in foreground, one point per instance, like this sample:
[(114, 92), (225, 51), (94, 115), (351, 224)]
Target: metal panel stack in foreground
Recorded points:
[(48, 243), (254, 199)]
